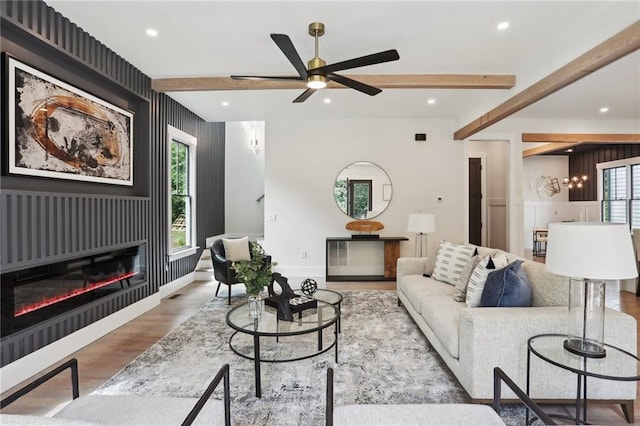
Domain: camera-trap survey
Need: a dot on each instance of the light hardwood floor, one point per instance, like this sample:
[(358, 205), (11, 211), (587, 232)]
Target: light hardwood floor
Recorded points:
[(105, 357)]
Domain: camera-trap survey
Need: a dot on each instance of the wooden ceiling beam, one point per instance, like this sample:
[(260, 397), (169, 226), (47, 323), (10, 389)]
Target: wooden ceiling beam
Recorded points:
[(383, 81), (543, 149), (554, 138), (612, 49)]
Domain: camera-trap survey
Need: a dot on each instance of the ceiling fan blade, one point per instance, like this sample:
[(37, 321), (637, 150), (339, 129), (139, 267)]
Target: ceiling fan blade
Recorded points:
[(265, 77), (304, 96), (363, 61), (286, 45), (361, 87)]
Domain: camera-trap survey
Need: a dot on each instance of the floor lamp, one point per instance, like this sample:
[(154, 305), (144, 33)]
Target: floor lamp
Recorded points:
[(421, 224), (595, 252)]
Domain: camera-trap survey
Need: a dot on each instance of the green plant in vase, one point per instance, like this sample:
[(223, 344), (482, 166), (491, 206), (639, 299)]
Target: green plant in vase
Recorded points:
[(254, 273)]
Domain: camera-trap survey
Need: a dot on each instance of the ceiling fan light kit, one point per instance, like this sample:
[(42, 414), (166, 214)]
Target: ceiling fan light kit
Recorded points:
[(318, 73)]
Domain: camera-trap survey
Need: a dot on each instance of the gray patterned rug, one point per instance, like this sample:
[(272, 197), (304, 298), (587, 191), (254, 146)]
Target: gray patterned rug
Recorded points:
[(383, 358)]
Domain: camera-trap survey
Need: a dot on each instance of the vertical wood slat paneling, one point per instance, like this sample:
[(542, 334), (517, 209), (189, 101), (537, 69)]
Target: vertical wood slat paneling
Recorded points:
[(43, 227), (585, 163), (102, 221)]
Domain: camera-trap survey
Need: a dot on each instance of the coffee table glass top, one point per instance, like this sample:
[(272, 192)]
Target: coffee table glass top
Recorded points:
[(616, 365), (329, 296), (268, 324)]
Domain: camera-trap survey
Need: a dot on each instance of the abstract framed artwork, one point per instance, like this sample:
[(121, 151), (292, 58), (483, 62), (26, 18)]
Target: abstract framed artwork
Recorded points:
[(56, 130)]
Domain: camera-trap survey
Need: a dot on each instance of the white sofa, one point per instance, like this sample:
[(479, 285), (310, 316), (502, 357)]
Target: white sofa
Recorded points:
[(472, 341)]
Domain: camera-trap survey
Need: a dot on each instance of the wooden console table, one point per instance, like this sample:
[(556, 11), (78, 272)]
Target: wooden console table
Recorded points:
[(339, 265)]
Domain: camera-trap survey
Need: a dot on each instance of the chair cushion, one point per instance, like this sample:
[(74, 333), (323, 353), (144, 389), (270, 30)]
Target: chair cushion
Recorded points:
[(140, 410), (28, 420), (415, 414), (236, 249)]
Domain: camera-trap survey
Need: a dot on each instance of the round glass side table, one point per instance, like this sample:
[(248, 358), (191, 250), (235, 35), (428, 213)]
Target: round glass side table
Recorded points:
[(618, 365)]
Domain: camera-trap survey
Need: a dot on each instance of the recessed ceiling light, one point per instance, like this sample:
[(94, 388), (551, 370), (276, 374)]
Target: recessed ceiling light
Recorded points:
[(225, 103), (431, 101), (604, 109), (569, 150), (327, 100), (503, 25), (152, 33)]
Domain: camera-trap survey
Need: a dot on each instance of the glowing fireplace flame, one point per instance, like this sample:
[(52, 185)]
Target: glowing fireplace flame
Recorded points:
[(56, 299)]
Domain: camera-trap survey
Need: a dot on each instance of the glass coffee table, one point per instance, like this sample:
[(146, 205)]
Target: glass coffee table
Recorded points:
[(329, 296), (313, 320)]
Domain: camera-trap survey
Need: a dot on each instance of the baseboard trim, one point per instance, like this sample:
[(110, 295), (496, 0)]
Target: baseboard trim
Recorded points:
[(170, 288), (32, 364)]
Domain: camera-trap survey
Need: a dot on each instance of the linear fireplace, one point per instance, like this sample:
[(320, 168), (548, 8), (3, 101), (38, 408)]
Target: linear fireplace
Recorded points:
[(38, 294)]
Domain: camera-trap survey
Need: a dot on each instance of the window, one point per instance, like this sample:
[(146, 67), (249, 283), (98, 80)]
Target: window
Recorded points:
[(182, 199), (620, 193)]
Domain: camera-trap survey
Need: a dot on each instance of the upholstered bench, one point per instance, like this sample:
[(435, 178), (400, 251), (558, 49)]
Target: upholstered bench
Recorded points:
[(126, 409)]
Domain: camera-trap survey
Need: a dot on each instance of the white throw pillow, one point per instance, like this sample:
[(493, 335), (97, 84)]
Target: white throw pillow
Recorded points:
[(451, 259), (236, 249), (479, 277)]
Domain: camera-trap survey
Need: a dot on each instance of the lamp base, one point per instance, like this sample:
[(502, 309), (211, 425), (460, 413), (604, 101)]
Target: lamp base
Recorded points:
[(584, 348)]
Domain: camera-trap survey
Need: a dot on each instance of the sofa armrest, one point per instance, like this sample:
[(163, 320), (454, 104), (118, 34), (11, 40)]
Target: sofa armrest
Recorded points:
[(483, 330), (410, 266)]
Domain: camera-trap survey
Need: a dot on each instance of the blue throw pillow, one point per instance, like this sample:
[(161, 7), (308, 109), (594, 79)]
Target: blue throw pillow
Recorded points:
[(507, 287)]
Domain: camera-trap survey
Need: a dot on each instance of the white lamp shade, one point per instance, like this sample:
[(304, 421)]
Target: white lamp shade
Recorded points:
[(595, 250), (421, 223)]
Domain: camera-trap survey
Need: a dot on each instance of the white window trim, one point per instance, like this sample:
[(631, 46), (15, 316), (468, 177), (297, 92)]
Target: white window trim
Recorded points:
[(626, 162), (180, 136)]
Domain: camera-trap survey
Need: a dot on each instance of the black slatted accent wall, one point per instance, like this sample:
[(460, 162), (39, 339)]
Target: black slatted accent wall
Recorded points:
[(41, 228), (584, 163), (66, 219)]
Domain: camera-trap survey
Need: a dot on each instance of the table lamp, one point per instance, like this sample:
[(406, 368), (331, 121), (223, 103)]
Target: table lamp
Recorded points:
[(421, 224), (589, 253)]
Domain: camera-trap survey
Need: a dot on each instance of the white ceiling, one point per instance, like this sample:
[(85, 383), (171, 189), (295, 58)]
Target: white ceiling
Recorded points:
[(215, 38)]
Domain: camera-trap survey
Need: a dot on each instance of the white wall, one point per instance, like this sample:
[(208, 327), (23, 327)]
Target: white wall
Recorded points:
[(244, 179), (304, 157)]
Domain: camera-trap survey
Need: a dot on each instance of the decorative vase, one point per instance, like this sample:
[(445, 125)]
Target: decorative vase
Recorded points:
[(255, 305)]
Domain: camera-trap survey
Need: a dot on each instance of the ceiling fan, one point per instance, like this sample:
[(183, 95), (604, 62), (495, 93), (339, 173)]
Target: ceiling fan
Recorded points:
[(318, 72)]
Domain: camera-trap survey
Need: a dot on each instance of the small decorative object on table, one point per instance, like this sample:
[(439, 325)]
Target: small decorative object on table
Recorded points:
[(286, 301), (309, 286)]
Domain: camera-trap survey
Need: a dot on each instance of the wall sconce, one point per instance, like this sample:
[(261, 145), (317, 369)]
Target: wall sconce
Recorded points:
[(575, 182), (254, 140)]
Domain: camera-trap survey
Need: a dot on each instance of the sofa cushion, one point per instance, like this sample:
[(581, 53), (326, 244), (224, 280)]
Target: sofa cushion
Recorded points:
[(442, 314), (479, 277), (507, 287), (460, 292), (451, 260), (547, 289), (417, 287)]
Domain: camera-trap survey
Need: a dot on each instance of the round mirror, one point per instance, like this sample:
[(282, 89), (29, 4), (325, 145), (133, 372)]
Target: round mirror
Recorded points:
[(362, 190)]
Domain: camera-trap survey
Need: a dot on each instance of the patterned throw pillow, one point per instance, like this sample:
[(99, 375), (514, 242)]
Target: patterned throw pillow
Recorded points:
[(460, 293), (479, 277), (451, 260)]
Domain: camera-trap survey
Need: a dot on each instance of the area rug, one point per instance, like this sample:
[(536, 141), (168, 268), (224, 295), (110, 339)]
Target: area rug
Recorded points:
[(383, 359)]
